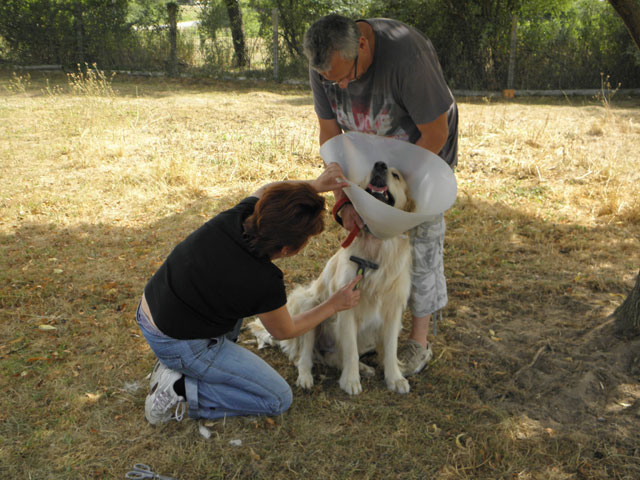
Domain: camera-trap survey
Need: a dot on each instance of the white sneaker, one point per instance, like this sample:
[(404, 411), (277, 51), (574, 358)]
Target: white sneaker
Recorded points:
[(153, 376), (162, 398)]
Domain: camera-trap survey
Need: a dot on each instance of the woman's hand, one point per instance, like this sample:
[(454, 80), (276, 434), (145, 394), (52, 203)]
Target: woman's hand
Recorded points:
[(346, 297), (331, 179), (281, 326)]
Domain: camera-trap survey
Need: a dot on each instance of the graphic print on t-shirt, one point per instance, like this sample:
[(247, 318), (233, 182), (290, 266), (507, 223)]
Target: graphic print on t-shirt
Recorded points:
[(367, 114)]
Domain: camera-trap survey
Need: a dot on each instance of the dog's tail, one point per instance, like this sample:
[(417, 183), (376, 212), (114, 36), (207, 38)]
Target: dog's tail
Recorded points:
[(263, 337)]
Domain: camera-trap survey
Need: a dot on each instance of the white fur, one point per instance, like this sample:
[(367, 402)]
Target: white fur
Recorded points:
[(374, 323)]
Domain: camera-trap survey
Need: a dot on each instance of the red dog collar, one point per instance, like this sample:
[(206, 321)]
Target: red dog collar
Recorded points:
[(338, 206), (336, 209)]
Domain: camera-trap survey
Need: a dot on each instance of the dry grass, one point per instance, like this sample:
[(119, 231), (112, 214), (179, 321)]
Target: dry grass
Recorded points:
[(97, 185)]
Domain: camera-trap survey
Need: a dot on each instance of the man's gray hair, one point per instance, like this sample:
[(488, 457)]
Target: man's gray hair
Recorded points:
[(333, 33)]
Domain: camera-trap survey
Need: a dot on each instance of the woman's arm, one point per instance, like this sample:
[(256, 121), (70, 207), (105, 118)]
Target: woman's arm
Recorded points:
[(281, 326)]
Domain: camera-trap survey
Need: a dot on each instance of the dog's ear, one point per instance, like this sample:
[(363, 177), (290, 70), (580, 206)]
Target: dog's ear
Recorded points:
[(410, 206)]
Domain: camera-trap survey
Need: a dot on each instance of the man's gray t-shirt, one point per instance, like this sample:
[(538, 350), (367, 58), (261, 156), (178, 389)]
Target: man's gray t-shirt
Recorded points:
[(403, 87)]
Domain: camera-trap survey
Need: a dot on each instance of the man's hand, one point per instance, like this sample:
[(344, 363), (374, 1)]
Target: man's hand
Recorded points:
[(346, 297), (331, 179)]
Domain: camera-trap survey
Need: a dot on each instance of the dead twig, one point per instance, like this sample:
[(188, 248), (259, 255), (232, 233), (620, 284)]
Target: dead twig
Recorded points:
[(545, 348)]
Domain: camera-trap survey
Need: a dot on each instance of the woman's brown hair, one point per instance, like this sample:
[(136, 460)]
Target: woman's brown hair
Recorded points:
[(286, 215)]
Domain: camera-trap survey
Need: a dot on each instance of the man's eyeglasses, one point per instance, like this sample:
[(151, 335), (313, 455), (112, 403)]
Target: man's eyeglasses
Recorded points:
[(338, 82)]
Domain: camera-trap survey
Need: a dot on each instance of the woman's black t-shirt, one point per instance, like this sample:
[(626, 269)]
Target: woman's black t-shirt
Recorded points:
[(212, 279)]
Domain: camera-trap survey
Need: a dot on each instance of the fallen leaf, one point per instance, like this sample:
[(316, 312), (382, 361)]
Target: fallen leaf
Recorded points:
[(459, 443), (94, 397), (204, 431), (47, 327), (36, 359), (254, 455)]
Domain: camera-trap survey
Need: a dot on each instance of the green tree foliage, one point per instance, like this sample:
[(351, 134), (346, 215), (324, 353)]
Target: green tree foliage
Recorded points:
[(63, 31), (570, 47), (295, 17), (147, 13), (561, 43), (471, 38)]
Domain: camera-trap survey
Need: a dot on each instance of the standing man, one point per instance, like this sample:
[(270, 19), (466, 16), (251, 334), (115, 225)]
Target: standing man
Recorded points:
[(382, 77)]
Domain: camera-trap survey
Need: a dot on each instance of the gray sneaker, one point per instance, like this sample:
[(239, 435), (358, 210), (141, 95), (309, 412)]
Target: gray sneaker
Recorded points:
[(413, 357), (162, 398)]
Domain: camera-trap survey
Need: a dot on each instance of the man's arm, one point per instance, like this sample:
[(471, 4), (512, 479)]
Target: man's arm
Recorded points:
[(329, 128), (434, 134)]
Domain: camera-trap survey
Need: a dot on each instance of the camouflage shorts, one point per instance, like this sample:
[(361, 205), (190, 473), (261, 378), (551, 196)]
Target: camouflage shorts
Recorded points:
[(428, 285)]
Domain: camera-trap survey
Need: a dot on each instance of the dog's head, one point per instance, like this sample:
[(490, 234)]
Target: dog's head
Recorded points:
[(389, 186)]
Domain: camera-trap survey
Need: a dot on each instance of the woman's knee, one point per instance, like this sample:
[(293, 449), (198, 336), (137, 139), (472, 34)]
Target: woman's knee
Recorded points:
[(281, 402)]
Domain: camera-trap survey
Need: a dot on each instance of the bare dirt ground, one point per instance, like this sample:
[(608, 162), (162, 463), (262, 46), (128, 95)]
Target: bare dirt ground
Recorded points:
[(540, 342)]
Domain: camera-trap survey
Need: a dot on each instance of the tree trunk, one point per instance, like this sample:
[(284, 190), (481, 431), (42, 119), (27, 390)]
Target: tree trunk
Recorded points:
[(629, 11), (511, 72), (79, 27), (237, 34), (627, 315), (172, 62)]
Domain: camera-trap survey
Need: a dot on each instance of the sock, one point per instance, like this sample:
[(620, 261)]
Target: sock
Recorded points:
[(178, 387)]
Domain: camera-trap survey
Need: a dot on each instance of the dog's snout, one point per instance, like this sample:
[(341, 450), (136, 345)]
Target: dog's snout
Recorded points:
[(380, 167)]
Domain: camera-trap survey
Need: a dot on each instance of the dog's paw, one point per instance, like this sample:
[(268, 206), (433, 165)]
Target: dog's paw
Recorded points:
[(351, 385), (366, 370), (399, 385), (305, 380)]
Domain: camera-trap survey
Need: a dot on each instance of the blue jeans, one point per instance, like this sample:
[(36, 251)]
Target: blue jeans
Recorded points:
[(221, 378)]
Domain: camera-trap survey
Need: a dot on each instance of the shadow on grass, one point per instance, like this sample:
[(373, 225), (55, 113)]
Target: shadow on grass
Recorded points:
[(515, 383)]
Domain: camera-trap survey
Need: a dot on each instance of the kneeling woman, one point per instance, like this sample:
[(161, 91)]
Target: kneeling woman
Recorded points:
[(192, 308)]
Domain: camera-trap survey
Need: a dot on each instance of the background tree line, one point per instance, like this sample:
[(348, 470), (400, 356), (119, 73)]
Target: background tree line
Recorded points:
[(560, 44)]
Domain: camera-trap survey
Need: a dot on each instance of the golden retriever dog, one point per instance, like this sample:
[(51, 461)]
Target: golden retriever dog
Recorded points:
[(377, 319)]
